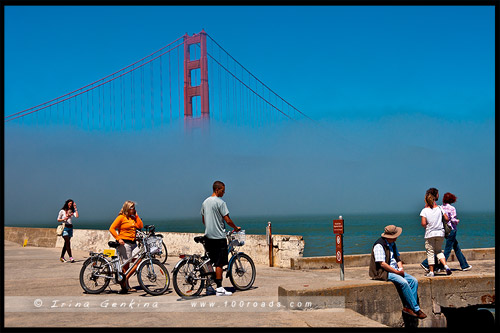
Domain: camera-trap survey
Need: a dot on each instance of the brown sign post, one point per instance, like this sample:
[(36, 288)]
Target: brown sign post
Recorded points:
[(338, 230), (269, 238)]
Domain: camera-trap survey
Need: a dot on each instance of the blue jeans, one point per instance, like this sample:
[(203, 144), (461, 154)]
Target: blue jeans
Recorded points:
[(407, 287), (451, 243)]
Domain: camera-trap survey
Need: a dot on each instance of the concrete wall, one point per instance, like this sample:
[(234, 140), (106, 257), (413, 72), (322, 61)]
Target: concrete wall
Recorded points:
[(44, 237), (359, 260), (285, 247), (380, 301)]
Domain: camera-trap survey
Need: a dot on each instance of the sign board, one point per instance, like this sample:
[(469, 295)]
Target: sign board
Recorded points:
[(338, 249), (338, 227)]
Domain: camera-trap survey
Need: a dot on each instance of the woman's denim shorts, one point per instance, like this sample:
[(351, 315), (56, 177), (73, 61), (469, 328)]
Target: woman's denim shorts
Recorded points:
[(68, 232)]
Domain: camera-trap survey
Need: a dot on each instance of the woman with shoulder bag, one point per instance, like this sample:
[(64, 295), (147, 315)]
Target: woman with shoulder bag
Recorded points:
[(65, 214), (432, 220)]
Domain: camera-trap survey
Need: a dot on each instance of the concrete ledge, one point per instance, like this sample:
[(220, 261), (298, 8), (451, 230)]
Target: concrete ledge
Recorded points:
[(359, 260), (285, 246), (43, 237), (379, 300)]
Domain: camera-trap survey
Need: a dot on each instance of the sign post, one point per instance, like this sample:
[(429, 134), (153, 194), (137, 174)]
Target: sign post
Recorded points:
[(338, 230), (269, 238)]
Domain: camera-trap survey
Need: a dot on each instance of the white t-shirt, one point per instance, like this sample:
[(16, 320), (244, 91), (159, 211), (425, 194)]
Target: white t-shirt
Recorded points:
[(62, 216), (434, 218), (213, 211)]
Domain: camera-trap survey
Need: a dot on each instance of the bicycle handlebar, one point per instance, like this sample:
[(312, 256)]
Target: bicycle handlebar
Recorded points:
[(230, 232)]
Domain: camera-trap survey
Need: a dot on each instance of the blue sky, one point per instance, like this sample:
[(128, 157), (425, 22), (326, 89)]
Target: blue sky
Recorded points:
[(404, 97)]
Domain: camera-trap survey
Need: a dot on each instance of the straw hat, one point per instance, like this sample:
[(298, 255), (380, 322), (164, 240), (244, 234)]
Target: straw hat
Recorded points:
[(391, 231)]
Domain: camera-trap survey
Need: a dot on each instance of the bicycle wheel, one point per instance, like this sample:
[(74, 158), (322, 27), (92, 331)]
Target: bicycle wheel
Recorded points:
[(242, 273), (164, 254), (153, 277), (93, 275), (187, 280)]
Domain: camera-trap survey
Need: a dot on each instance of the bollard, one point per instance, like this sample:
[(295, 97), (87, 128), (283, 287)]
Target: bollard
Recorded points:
[(269, 239)]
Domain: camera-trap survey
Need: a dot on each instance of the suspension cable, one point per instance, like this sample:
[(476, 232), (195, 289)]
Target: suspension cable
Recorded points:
[(90, 84), (259, 80), (257, 94), (94, 87)]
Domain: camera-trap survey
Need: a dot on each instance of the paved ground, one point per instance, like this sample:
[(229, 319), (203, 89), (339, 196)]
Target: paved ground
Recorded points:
[(40, 291)]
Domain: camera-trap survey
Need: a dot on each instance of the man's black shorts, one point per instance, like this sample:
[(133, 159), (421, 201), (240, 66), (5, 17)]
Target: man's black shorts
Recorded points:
[(217, 251)]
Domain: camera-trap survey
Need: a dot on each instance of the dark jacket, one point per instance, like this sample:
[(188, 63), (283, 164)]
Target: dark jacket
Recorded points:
[(376, 271)]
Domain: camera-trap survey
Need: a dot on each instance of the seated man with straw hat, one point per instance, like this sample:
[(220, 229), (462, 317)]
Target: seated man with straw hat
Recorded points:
[(386, 265)]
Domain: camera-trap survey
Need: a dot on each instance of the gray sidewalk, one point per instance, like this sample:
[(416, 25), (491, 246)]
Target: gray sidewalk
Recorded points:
[(40, 291)]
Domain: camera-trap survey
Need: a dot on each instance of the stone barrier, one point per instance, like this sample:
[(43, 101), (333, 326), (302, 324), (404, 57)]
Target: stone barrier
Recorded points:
[(358, 260), (379, 300), (285, 246), (44, 237)]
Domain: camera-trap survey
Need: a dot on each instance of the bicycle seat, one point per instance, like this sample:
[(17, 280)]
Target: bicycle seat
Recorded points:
[(200, 239), (114, 244)]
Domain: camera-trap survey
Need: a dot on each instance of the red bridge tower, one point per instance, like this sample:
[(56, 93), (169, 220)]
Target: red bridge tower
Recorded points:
[(200, 90)]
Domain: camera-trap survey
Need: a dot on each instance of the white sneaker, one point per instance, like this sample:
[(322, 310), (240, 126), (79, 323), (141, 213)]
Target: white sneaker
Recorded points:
[(467, 268), (223, 292), (430, 274)]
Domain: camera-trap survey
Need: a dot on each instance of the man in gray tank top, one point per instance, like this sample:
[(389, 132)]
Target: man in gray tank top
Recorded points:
[(214, 215)]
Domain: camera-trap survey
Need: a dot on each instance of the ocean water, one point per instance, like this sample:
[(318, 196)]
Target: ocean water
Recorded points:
[(475, 230)]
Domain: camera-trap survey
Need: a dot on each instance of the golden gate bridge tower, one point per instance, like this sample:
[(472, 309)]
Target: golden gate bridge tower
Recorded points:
[(191, 118)]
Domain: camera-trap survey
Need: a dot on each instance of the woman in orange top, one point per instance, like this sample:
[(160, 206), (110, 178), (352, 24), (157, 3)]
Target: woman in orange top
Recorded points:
[(126, 224)]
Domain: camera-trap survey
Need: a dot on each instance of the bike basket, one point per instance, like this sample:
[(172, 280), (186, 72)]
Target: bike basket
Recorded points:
[(238, 238), (154, 244)]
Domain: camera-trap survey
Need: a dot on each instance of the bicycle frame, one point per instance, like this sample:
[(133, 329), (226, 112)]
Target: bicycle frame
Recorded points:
[(196, 271), (139, 256), (231, 249), (98, 271)]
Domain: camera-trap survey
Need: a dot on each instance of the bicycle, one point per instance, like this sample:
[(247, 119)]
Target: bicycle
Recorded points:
[(193, 272), (98, 270)]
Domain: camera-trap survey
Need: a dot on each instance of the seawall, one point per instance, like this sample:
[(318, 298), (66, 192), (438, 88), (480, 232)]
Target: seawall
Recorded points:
[(379, 300), (285, 247), (358, 260), (458, 296)]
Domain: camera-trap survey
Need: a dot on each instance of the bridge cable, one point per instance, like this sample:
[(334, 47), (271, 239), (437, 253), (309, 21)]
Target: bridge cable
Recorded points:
[(262, 97), (90, 89), (90, 84), (260, 80)]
